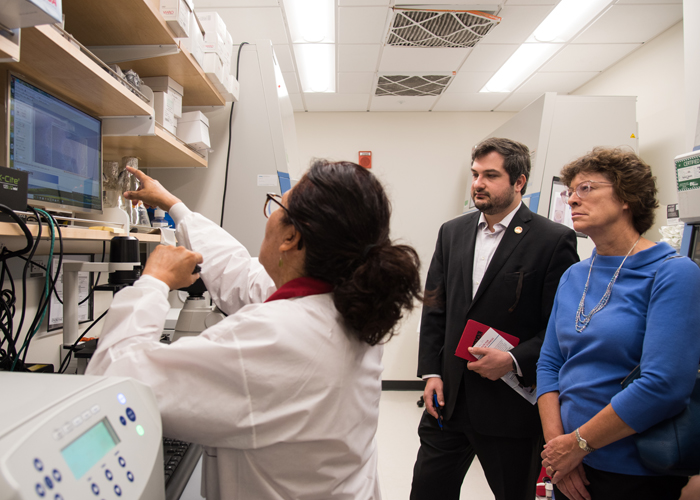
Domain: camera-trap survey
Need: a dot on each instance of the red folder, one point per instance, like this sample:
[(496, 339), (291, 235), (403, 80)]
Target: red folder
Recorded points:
[(471, 335)]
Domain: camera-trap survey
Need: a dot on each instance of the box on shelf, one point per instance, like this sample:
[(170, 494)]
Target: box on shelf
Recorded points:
[(164, 106), (195, 42), (176, 14), (170, 86), (193, 130), (228, 52), (26, 13), (214, 32), (233, 87), (9, 45), (213, 68)]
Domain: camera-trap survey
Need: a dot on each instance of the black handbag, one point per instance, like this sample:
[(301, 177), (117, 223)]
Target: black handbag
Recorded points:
[(672, 447)]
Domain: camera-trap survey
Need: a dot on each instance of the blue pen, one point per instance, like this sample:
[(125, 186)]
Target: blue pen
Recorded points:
[(437, 409)]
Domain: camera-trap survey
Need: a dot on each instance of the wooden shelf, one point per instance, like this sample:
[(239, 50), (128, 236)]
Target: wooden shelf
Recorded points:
[(54, 63), (138, 22), (73, 233), (8, 49), (158, 151)]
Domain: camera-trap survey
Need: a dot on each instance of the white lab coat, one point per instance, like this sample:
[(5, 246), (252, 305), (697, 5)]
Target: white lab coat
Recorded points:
[(285, 399)]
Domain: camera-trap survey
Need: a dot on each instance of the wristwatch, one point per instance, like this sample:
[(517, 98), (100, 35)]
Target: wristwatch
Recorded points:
[(582, 443)]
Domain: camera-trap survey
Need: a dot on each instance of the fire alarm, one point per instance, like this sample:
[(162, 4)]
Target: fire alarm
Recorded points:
[(365, 159)]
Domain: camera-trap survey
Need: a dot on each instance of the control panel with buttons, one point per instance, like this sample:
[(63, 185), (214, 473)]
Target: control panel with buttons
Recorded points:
[(79, 437)]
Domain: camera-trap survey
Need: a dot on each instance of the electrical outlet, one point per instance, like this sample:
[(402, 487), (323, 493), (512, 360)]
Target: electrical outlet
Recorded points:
[(16, 266), (34, 270)]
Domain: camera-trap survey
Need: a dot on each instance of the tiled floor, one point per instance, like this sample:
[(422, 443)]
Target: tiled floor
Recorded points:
[(398, 445)]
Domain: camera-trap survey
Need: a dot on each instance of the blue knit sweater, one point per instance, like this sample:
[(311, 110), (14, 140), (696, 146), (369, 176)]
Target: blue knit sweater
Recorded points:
[(650, 321)]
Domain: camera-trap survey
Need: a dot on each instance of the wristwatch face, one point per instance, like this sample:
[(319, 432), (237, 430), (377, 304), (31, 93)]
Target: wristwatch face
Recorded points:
[(582, 444)]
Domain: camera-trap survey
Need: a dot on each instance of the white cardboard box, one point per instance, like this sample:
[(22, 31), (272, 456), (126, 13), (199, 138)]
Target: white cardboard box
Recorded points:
[(214, 68), (167, 84), (214, 32), (26, 13), (164, 107), (195, 42), (176, 14), (193, 130)]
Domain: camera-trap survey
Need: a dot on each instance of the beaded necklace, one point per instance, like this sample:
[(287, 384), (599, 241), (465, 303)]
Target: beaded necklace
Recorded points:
[(583, 319)]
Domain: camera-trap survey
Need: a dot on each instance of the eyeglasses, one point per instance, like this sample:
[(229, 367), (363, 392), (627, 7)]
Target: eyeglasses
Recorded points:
[(583, 189), (272, 204)]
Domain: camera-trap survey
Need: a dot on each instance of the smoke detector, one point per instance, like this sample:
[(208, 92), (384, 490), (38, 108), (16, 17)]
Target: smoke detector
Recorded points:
[(411, 27), (412, 85)]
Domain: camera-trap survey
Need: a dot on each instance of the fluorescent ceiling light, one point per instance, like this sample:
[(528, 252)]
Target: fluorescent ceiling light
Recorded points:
[(312, 28), (521, 65), (560, 26), (567, 19), (311, 21), (316, 62)]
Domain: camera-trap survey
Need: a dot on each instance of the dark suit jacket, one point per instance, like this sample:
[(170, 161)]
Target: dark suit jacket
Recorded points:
[(515, 296)]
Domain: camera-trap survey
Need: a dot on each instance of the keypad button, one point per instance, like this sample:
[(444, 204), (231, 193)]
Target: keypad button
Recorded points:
[(38, 464), (48, 482), (86, 415), (40, 490), (122, 420), (95, 409), (95, 489), (130, 413), (117, 490), (130, 476), (56, 475), (121, 461), (108, 474), (58, 496)]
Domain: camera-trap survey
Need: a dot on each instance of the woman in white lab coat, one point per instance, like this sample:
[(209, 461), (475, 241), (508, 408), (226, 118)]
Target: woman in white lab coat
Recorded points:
[(284, 391)]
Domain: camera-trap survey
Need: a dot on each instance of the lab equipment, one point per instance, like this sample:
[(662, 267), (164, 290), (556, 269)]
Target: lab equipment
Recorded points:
[(197, 314), (63, 436), (58, 145)]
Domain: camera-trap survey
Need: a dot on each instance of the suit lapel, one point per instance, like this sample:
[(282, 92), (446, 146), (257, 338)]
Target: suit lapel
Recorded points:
[(469, 235), (511, 239)]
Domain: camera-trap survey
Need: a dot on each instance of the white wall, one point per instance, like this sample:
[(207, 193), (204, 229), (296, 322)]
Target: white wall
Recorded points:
[(654, 73), (423, 159)]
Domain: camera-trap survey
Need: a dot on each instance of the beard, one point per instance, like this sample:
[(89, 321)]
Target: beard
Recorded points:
[(493, 204)]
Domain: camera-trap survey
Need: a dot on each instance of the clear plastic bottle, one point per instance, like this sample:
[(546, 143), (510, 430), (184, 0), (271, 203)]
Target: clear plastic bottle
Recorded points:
[(159, 218), (142, 215)]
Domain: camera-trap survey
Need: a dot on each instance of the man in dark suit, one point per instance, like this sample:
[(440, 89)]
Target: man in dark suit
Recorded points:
[(499, 266)]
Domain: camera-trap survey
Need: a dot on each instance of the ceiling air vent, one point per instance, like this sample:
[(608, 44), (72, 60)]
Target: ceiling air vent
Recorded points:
[(412, 85), (439, 28)]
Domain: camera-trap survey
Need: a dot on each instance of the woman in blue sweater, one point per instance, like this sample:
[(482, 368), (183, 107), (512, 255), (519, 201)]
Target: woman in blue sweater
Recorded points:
[(628, 304)]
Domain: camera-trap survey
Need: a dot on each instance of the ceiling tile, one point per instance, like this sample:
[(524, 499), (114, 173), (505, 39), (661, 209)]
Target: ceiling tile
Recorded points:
[(290, 80), (631, 24), (336, 102), (393, 103), (468, 82), (517, 102), (284, 58), (297, 103), (249, 25), (358, 57), (517, 24), (362, 24), (469, 102), (562, 83), (355, 83), (421, 60), (589, 57), (483, 5), (486, 57)]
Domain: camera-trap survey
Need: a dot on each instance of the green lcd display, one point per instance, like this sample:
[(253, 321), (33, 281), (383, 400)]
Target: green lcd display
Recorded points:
[(90, 447)]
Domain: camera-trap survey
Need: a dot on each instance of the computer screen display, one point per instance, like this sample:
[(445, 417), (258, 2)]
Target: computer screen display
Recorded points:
[(59, 146)]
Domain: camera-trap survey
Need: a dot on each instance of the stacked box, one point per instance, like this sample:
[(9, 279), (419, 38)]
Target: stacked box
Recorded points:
[(169, 86), (176, 14), (164, 107), (193, 130)]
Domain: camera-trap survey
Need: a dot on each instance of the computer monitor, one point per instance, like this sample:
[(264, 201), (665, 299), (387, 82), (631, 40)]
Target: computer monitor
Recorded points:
[(59, 146)]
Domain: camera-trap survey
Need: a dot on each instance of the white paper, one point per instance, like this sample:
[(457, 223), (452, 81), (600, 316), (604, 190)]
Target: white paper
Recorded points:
[(56, 309), (267, 180), (492, 339)]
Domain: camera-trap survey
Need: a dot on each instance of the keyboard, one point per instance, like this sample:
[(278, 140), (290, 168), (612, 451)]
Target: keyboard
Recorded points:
[(179, 460)]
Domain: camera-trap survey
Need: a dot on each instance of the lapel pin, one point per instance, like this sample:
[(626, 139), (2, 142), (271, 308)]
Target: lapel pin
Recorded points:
[(518, 230)]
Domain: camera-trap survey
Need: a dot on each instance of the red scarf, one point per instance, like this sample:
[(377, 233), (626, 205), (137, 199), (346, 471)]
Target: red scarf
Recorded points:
[(301, 287)]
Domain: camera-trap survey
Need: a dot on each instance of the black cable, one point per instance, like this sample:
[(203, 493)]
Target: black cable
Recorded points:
[(70, 350), (228, 150), (97, 280), (23, 227), (24, 276)]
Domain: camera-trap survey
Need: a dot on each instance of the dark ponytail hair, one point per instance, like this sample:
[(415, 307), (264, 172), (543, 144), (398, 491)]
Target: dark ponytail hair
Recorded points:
[(343, 215)]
